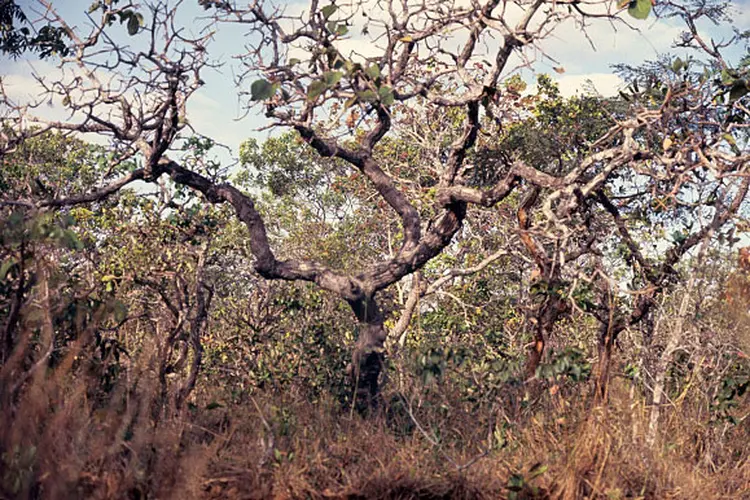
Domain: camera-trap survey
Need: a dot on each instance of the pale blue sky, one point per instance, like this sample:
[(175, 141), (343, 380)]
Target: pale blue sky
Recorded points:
[(214, 109)]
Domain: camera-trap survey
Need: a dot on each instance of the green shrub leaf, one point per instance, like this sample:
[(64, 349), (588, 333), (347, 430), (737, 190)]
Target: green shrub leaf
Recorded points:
[(261, 90), (640, 9), (328, 11), (315, 89)]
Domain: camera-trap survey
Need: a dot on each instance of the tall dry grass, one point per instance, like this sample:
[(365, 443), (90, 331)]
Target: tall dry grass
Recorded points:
[(60, 442), (62, 438)]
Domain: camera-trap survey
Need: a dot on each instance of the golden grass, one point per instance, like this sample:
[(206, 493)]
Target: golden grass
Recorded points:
[(60, 441)]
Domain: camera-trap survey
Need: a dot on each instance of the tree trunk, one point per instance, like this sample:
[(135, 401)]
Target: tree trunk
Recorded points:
[(607, 337), (8, 341), (658, 394), (544, 321), (203, 295), (536, 351), (368, 355), (660, 376)]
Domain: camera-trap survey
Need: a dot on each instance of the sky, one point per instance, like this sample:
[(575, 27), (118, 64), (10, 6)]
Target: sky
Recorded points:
[(215, 111)]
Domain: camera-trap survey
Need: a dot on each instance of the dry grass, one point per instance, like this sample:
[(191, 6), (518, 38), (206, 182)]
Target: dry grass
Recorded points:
[(62, 439)]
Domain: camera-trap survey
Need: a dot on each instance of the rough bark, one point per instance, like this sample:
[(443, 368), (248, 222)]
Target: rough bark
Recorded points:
[(546, 316), (368, 356), (548, 305), (197, 325), (14, 314), (604, 346)]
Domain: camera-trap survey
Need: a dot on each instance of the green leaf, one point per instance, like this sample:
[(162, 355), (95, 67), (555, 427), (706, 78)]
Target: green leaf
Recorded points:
[(293, 61), (328, 11), (386, 95), (739, 90), (133, 25), (730, 139), (120, 311), (367, 96), (640, 9), (727, 77), (537, 470), (315, 89), (678, 64), (331, 78), (70, 240), (341, 30), (261, 90), (515, 482), (679, 237), (7, 266), (373, 72)]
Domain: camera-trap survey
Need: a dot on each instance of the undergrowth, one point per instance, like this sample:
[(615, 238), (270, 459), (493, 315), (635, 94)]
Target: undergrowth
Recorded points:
[(61, 438)]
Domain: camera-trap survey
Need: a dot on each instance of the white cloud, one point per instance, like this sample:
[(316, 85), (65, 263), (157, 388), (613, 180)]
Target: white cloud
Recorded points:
[(210, 117), (603, 44), (606, 84), (20, 84)]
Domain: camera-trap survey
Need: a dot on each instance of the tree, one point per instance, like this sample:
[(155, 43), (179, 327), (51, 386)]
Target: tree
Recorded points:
[(47, 41), (346, 106)]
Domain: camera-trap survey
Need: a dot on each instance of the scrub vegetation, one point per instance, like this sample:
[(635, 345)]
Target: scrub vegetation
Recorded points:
[(436, 278)]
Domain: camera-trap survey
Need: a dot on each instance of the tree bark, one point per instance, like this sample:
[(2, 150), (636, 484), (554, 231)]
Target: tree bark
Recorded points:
[(607, 335), (536, 351), (544, 320), (674, 340), (202, 295), (368, 356), (15, 309)]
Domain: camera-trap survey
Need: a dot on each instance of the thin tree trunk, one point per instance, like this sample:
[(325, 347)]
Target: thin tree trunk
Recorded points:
[(536, 351), (202, 295), (609, 329), (660, 375)]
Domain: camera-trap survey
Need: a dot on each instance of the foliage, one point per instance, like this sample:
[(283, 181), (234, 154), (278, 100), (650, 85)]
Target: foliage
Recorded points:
[(555, 280), (17, 37)]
